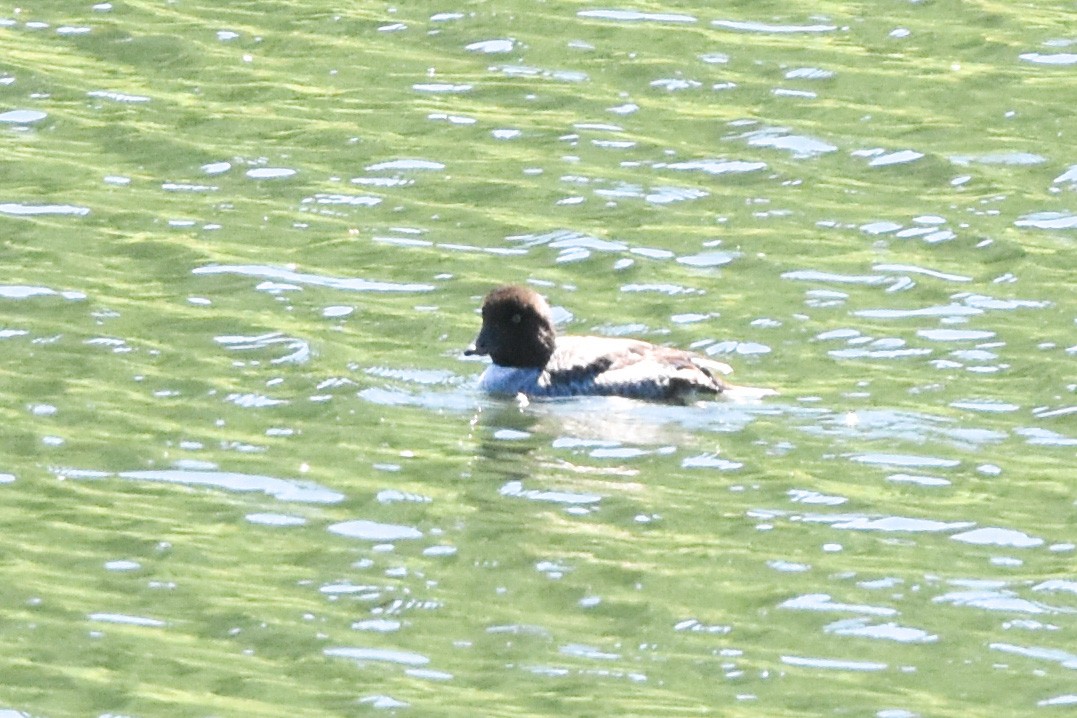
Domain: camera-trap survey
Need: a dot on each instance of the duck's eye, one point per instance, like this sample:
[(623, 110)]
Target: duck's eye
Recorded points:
[(516, 318)]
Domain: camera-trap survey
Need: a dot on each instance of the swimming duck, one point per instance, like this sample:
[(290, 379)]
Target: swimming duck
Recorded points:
[(529, 358)]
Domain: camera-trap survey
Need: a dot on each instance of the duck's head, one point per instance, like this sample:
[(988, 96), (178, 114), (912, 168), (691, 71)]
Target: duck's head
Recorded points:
[(517, 328)]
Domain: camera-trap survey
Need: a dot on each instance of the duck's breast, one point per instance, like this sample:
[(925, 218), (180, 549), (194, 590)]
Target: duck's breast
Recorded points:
[(509, 380)]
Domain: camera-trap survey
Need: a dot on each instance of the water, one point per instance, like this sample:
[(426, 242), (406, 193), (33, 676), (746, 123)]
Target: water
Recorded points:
[(245, 471)]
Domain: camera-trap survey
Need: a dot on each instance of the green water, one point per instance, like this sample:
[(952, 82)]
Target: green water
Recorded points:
[(244, 470)]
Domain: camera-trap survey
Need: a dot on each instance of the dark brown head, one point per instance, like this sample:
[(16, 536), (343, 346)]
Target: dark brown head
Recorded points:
[(517, 328)]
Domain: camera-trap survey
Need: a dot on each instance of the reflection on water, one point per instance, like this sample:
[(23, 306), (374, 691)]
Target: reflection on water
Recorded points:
[(282, 489), (288, 275)]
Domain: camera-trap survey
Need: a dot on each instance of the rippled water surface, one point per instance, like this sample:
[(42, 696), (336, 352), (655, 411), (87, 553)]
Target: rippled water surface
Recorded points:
[(244, 470)]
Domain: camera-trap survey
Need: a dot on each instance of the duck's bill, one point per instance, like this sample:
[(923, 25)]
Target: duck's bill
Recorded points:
[(479, 346)]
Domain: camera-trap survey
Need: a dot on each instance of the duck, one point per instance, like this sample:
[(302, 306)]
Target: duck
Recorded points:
[(531, 359)]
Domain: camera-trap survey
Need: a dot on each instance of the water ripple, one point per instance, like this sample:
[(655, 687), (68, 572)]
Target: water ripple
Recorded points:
[(980, 301), (992, 536), (567, 239), (1046, 412), (833, 664), (823, 602), (127, 620), (491, 47), (288, 275), (406, 164), (913, 269), (904, 460), (383, 702), (635, 16), (991, 406), (673, 84), (352, 200), (947, 310), (900, 157), (779, 138), (22, 117), (1070, 176), (386, 655), (814, 275), (427, 377), (994, 601), (300, 349), (1060, 58), (441, 88), (710, 461), (118, 96), (1044, 437), (374, 531), (668, 289), (457, 402), (271, 173), (529, 71), (1067, 659), (708, 259), (860, 628), (715, 166), (1048, 220), (917, 479), (516, 489), (19, 209), (22, 291), (749, 26), (271, 519), (954, 335), (282, 489), (901, 523)]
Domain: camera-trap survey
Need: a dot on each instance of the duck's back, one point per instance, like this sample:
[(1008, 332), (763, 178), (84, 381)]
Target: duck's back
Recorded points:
[(631, 368)]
